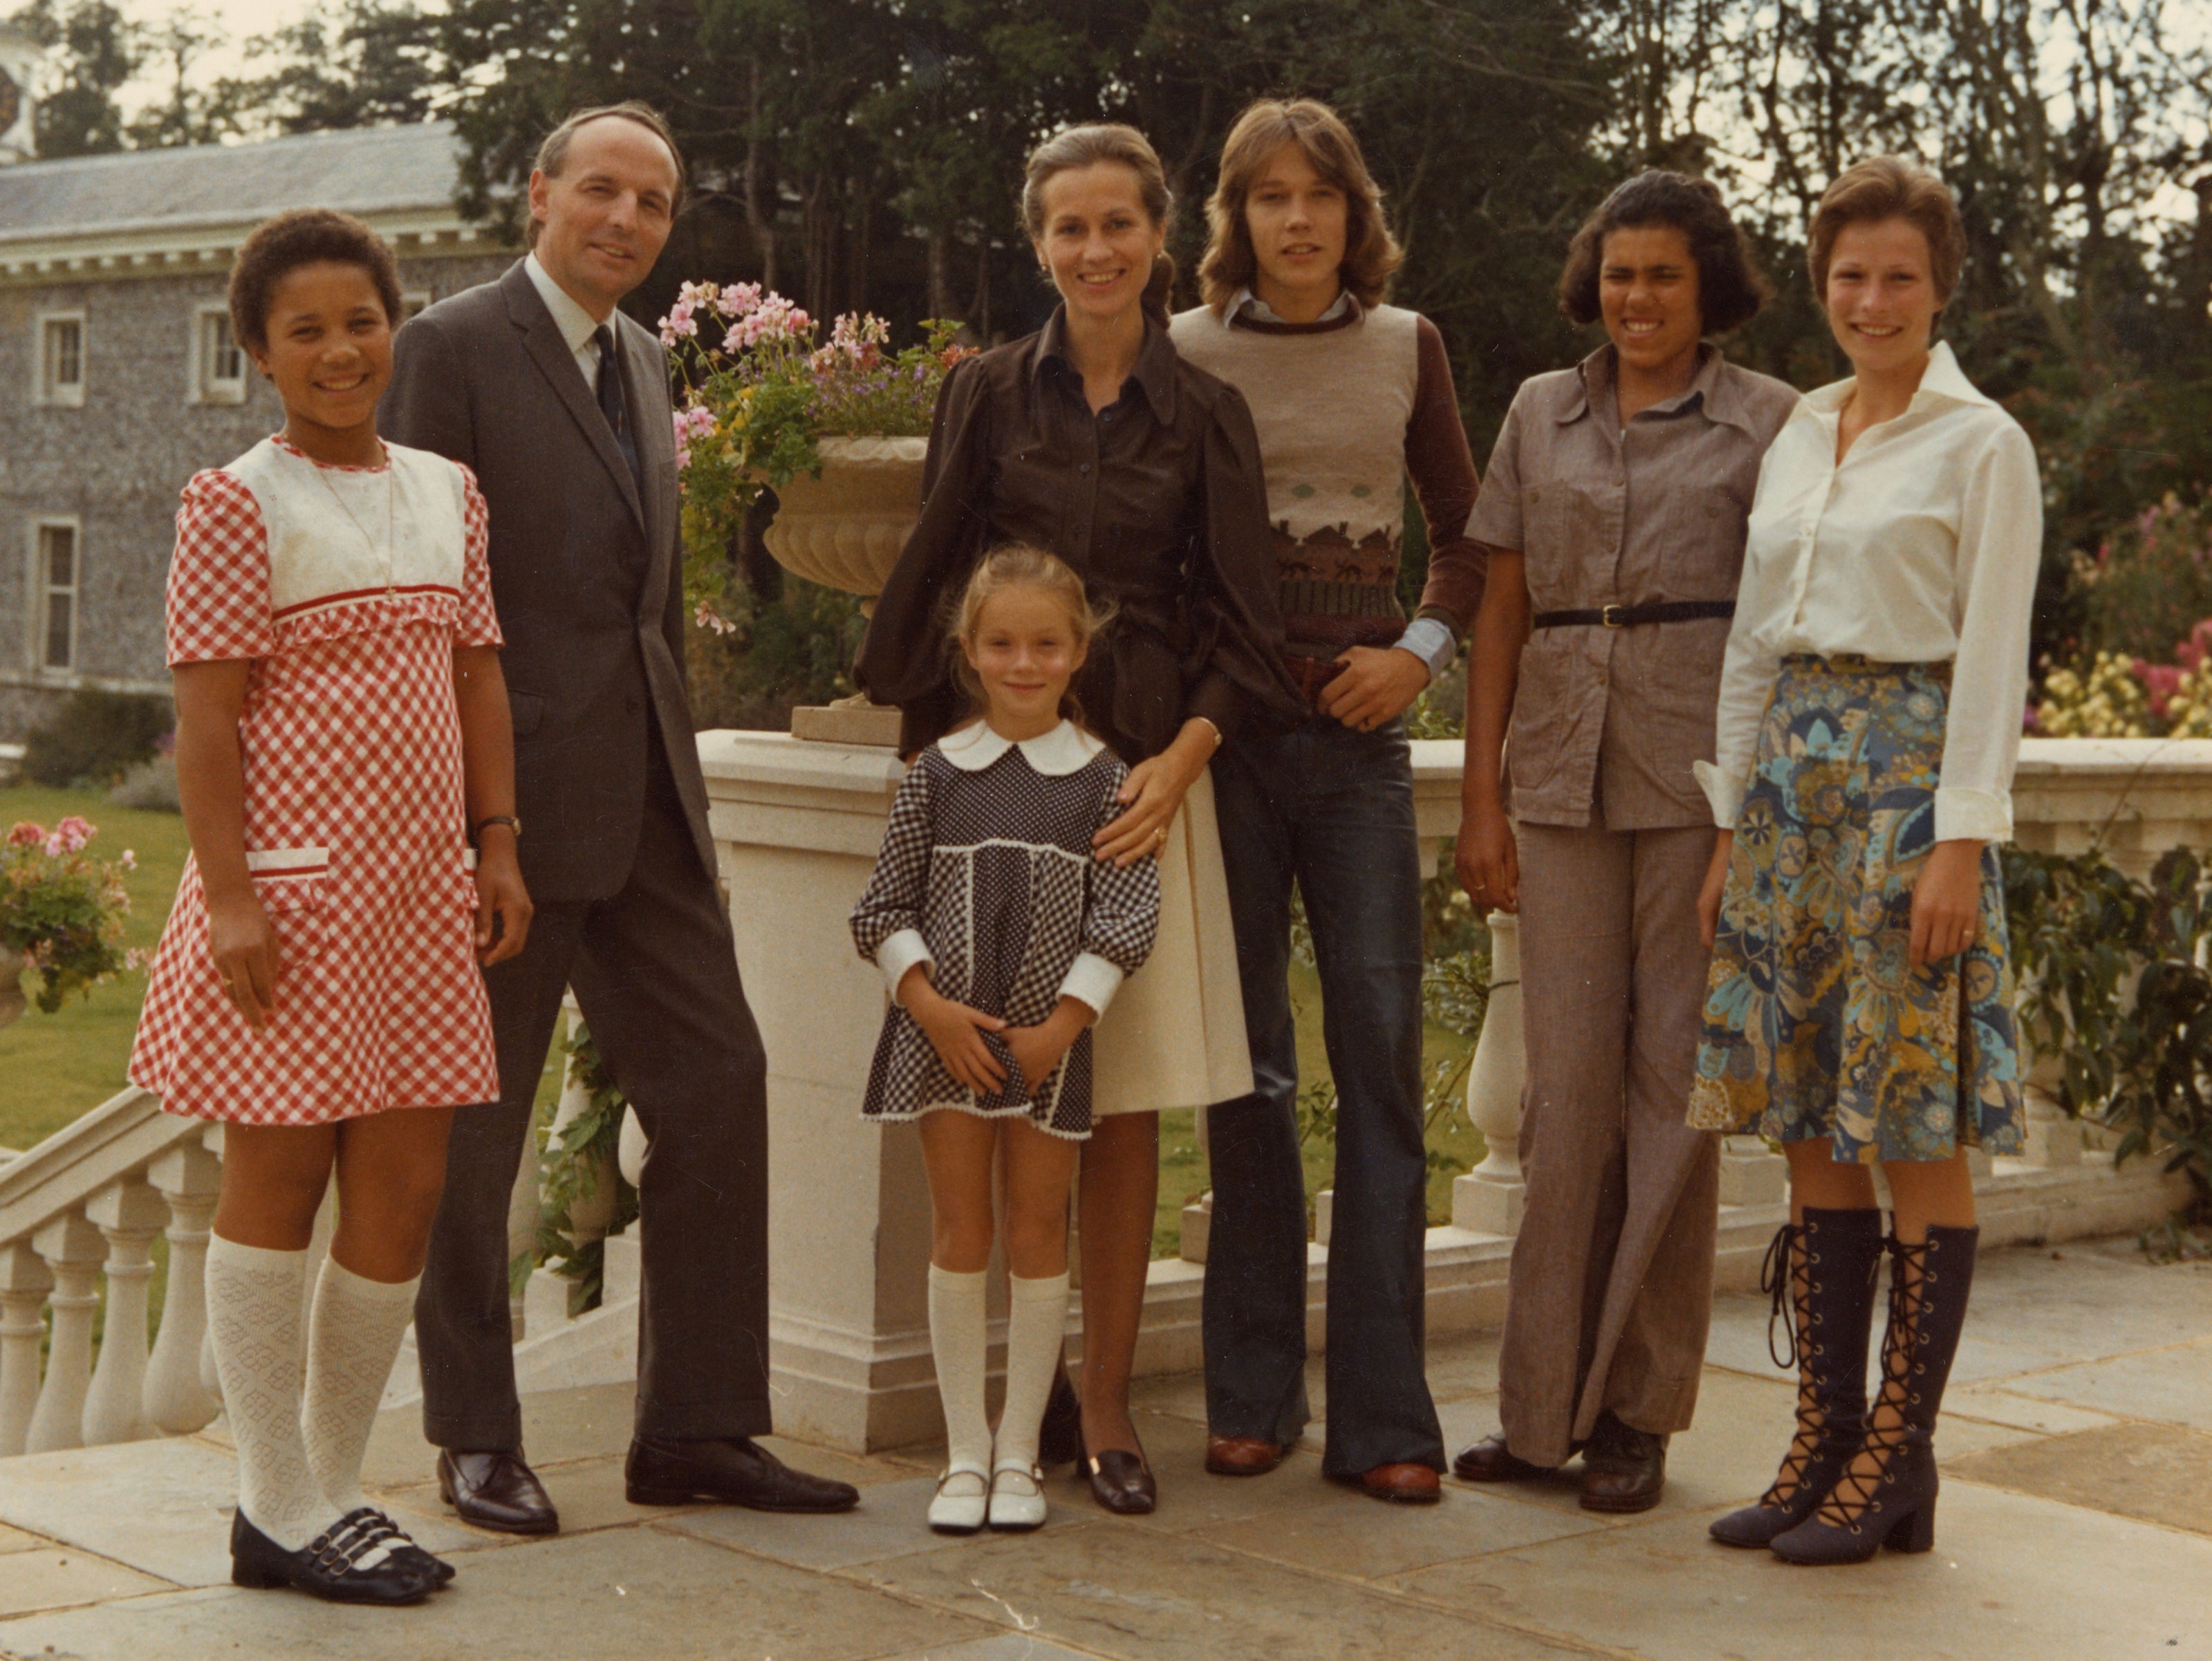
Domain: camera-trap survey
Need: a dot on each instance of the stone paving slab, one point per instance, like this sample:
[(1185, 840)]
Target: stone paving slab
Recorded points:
[(2173, 1386), (48, 1578), (162, 1508), (2011, 1578), (615, 1596), (2156, 1473), (892, 1521), (1120, 1591)]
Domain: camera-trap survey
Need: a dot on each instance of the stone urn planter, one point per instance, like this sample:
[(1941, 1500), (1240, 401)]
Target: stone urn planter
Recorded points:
[(844, 531)]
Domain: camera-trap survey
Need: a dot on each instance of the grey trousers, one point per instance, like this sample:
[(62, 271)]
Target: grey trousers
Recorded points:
[(1610, 1292), (655, 972)]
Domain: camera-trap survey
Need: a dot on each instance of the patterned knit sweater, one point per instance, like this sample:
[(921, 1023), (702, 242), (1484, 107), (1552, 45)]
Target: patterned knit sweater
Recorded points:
[(1347, 408)]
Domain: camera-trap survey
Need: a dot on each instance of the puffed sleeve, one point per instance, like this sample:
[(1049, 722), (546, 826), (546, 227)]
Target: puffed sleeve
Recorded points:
[(1242, 684), (218, 605), (901, 658), (479, 621), (1999, 549), (886, 922), (1120, 916)]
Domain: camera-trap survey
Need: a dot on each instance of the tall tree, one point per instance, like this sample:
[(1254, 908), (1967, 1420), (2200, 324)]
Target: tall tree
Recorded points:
[(91, 52)]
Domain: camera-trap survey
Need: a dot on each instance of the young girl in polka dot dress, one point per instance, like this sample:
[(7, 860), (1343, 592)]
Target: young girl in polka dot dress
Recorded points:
[(342, 731), (1002, 937)]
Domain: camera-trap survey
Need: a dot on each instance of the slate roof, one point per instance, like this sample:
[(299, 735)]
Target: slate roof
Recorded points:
[(367, 170)]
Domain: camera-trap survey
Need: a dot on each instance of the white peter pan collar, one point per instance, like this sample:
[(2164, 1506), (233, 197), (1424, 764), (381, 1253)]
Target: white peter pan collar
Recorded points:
[(1065, 749)]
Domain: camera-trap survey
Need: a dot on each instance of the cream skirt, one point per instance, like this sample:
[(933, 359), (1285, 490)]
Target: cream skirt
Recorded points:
[(1173, 1034)]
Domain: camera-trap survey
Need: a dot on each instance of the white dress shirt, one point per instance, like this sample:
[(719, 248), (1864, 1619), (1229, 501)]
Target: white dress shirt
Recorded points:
[(1922, 546), (578, 327)]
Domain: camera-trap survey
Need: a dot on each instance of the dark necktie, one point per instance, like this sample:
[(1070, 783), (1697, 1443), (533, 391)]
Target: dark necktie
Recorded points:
[(610, 392)]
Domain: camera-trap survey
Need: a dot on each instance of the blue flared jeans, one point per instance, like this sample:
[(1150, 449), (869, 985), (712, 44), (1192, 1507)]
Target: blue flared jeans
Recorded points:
[(1331, 810)]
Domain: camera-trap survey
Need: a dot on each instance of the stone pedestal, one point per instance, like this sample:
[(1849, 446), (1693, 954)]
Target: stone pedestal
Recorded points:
[(796, 826)]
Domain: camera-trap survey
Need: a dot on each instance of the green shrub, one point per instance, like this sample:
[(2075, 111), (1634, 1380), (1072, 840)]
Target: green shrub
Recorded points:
[(2150, 582), (97, 736)]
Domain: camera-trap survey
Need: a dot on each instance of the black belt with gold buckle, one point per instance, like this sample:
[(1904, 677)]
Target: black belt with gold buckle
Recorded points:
[(1631, 617)]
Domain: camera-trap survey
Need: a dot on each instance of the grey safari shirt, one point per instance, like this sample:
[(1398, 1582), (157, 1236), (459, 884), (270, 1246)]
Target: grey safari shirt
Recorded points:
[(1607, 722)]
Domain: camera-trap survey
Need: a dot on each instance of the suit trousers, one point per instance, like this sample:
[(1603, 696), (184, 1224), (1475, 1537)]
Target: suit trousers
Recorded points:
[(655, 972), (1610, 1291), (1331, 811)]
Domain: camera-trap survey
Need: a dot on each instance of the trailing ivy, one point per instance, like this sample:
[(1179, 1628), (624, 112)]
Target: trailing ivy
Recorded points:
[(2113, 984), (571, 1164)]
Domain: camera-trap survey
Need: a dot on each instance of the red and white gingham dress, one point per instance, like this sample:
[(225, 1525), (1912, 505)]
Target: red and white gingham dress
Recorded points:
[(356, 825)]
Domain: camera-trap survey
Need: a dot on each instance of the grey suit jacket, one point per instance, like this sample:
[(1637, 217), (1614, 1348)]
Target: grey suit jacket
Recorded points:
[(587, 576)]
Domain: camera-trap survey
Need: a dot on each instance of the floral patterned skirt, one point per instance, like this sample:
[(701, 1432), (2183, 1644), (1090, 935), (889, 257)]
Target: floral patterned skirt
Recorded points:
[(1815, 1024)]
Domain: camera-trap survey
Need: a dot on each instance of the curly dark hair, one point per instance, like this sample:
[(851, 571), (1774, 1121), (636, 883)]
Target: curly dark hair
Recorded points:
[(276, 247), (1731, 286)]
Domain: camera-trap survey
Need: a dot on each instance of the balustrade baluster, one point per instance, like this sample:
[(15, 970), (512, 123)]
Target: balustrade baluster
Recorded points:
[(25, 1280), (176, 1399), (74, 1251), (129, 1214), (1489, 1198)]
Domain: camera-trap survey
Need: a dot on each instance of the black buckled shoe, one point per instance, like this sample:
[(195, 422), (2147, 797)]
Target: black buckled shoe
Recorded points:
[(735, 1470), (436, 1570), (1825, 1269), (1886, 1494), (330, 1566)]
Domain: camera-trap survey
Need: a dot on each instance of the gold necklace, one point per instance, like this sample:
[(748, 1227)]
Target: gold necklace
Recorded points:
[(390, 515)]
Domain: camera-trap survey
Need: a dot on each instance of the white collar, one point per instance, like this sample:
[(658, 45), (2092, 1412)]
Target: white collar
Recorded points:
[(576, 323), (1942, 379), (1065, 749), (1248, 304)]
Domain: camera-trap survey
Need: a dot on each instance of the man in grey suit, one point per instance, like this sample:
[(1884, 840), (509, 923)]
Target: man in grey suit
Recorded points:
[(560, 404)]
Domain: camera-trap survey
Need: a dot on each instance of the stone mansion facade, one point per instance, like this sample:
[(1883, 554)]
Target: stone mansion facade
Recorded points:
[(119, 379)]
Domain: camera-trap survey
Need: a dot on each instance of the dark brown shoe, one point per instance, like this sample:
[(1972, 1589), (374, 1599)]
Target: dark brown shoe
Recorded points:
[(1400, 1484), (495, 1490), (1241, 1456), (1121, 1482), (1491, 1461), (735, 1470), (1624, 1469)]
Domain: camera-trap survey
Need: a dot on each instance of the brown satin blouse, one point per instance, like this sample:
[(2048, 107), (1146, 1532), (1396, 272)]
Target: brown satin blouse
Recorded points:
[(1157, 501), (1607, 722)]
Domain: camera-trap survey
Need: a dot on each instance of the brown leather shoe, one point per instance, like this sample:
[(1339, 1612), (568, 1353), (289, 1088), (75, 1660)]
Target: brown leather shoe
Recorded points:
[(495, 1490), (1401, 1484), (1491, 1461), (1241, 1456), (1624, 1469), (735, 1470)]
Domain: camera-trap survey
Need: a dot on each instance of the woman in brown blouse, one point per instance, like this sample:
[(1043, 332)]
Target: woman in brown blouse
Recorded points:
[(1093, 440), (1614, 511)]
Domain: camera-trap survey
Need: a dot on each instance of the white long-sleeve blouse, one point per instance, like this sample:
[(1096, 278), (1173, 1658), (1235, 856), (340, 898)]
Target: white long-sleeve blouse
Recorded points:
[(1921, 546)]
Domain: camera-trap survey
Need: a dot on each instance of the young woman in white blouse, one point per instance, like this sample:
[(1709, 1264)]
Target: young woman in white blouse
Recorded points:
[(1859, 1002)]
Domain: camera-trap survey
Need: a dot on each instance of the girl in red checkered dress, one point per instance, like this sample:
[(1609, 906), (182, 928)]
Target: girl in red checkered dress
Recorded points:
[(342, 739)]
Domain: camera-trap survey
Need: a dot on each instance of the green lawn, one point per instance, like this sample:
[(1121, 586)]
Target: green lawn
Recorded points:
[(54, 1067)]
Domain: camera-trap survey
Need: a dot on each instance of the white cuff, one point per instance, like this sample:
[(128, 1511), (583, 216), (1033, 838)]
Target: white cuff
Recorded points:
[(1092, 981), (900, 953), (1431, 641), (1963, 815), (1725, 793)]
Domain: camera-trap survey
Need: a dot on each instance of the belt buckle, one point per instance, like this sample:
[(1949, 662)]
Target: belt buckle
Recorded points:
[(1609, 616)]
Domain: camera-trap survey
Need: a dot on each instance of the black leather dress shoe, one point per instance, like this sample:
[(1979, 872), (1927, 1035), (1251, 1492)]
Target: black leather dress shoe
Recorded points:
[(735, 1469), (1491, 1461), (496, 1491), (1624, 1469), (1120, 1480)]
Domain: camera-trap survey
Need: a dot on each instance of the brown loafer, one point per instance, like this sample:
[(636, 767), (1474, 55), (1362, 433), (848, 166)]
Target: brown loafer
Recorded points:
[(1624, 1469), (1491, 1461), (1404, 1484), (495, 1490), (1241, 1456)]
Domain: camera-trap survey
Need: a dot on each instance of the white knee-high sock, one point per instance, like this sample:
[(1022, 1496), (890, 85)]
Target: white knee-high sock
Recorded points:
[(253, 1317), (1037, 1326), (352, 1337), (958, 1340)]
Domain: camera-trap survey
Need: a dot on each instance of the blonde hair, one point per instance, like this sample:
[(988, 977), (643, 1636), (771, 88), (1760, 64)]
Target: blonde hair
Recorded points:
[(1086, 147), (1019, 565), (1891, 187), (1371, 252)]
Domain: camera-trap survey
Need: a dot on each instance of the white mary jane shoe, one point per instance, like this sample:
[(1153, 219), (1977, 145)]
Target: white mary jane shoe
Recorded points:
[(1016, 1499), (963, 1501)]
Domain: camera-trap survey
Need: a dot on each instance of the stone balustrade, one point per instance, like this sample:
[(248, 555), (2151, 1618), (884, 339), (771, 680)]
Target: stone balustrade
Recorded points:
[(798, 824)]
